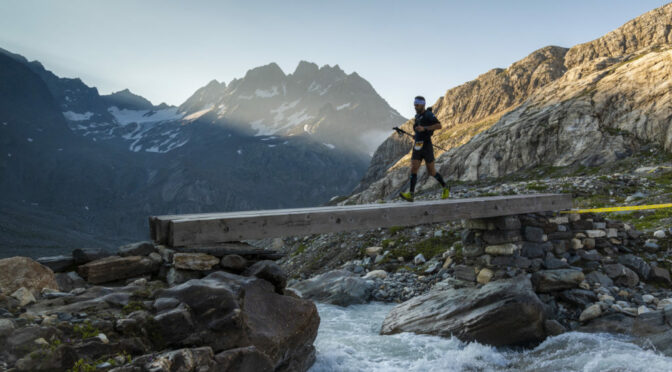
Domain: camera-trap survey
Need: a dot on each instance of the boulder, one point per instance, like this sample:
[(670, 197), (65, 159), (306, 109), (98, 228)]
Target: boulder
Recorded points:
[(464, 272), (661, 275), (501, 249), (500, 313), (243, 359), (225, 311), (534, 234), (651, 329), (376, 274), (554, 280), (596, 277), (534, 250), (115, 268), (233, 263), (17, 272), (578, 297), (137, 249), (57, 264), (194, 261), (621, 275), (177, 276), (82, 256), (637, 264), (338, 287), (270, 272), (590, 313), (484, 276), (24, 296), (195, 359), (373, 251), (497, 237), (69, 281)]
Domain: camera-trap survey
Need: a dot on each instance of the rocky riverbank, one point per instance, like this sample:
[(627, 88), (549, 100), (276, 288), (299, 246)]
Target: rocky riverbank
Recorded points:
[(513, 280), (148, 308)]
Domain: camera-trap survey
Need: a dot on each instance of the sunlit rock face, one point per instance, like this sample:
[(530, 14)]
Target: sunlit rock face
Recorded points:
[(590, 105)]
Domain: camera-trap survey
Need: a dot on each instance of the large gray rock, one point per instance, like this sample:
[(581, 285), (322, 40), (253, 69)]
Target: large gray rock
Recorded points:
[(637, 264), (621, 275), (17, 272), (555, 280), (504, 312), (648, 329), (115, 268), (226, 311), (338, 287), (137, 249), (57, 264), (270, 272)]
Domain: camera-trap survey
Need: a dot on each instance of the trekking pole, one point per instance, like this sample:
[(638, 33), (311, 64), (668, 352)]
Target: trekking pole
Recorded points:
[(402, 132)]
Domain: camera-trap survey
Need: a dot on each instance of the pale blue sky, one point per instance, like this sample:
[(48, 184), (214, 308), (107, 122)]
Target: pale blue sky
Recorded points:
[(166, 49)]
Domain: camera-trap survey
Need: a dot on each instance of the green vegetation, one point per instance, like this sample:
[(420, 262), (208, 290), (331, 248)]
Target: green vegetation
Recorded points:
[(644, 220), (395, 229), (133, 306), (537, 186), (85, 330), (429, 247), (83, 365), (302, 248)]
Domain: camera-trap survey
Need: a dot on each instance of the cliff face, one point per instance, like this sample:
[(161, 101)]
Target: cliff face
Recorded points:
[(599, 104)]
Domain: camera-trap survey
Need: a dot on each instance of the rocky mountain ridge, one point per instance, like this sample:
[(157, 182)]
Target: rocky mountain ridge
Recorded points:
[(598, 103), (109, 161)]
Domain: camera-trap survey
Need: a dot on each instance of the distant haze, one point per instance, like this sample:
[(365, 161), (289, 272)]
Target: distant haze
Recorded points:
[(164, 50)]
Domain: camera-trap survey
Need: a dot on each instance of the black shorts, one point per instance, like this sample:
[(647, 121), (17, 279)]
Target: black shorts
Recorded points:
[(426, 152)]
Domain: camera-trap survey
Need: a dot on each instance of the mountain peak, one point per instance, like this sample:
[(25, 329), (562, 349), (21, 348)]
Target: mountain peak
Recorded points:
[(125, 99), (269, 71), (306, 68)]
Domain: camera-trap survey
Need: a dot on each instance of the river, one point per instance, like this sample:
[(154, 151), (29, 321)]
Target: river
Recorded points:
[(348, 340)]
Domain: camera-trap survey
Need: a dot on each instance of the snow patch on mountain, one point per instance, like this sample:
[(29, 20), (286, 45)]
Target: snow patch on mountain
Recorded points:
[(125, 116), (73, 116), (267, 93), (341, 107)]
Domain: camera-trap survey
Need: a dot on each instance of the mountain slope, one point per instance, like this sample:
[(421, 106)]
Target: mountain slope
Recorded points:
[(470, 108), (340, 110), (102, 164), (611, 96)]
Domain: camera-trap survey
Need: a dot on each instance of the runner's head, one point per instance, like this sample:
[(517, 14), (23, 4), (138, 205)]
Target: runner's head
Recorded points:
[(419, 103)]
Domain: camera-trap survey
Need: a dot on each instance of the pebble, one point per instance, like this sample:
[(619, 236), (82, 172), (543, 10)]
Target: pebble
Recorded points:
[(659, 234), (591, 312), (376, 274), (419, 259), (647, 298), (652, 245), (643, 310), (103, 338)]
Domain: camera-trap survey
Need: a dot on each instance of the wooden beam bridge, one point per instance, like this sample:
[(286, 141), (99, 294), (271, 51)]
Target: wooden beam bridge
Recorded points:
[(215, 228)]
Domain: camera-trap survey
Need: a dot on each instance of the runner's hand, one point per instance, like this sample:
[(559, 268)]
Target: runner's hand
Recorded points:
[(420, 128)]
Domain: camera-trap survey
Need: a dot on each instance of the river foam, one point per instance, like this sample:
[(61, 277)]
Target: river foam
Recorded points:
[(348, 340)]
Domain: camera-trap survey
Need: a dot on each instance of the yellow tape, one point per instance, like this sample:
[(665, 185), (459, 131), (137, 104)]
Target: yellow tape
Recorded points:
[(620, 209)]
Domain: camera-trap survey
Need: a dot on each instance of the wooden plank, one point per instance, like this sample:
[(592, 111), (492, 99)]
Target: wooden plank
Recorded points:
[(211, 228)]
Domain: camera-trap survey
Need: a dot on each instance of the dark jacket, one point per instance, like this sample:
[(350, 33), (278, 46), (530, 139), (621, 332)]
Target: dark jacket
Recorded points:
[(425, 119)]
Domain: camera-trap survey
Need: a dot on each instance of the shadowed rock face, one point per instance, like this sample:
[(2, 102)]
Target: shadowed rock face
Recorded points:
[(591, 105), (500, 313), (223, 322)]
